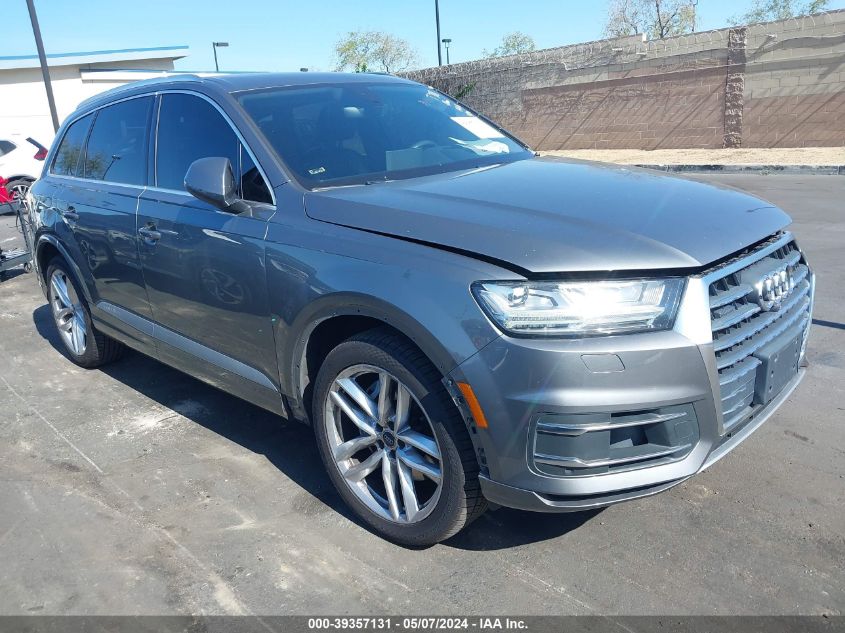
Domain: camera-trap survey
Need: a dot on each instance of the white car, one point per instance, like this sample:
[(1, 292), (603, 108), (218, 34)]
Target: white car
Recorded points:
[(21, 160)]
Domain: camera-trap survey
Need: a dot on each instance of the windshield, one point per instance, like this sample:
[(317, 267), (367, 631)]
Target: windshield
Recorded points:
[(360, 133)]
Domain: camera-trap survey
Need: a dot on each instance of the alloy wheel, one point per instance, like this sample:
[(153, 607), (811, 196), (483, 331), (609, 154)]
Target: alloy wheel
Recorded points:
[(19, 191), (383, 444), (68, 313)]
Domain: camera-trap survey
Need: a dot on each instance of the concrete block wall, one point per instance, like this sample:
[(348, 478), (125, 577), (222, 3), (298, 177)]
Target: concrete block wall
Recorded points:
[(779, 84), (795, 83)]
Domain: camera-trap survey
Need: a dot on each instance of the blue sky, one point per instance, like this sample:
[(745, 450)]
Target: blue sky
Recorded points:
[(286, 35)]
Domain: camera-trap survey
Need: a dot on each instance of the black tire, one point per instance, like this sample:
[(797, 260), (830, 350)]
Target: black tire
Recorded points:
[(460, 501), (100, 349)]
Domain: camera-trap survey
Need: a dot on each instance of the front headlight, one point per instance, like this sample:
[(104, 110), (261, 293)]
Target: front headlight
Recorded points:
[(580, 308)]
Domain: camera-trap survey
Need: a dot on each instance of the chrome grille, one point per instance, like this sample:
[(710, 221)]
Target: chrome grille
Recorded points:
[(740, 324)]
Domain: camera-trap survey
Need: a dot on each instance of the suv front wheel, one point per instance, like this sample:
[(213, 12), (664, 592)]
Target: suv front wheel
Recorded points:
[(393, 442)]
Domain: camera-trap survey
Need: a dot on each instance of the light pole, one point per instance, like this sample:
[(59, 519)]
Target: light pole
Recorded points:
[(437, 20), (214, 47), (42, 59), (446, 42)]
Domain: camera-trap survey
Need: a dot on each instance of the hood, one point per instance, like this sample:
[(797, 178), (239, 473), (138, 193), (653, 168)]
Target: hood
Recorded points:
[(546, 215)]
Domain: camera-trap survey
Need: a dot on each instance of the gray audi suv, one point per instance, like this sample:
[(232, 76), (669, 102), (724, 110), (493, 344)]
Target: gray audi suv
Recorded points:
[(459, 320)]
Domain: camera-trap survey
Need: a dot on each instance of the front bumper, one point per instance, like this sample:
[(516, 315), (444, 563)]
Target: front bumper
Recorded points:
[(523, 499), (521, 382), (575, 424)]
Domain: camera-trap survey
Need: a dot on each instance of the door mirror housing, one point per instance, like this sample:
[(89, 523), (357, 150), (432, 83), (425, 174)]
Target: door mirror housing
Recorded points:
[(212, 180)]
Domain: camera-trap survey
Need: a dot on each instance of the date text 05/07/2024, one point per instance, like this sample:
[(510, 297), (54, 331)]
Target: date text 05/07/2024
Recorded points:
[(417, 623)]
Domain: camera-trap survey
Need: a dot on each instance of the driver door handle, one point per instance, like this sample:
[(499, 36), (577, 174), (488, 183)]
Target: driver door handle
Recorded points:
[(149, 233)]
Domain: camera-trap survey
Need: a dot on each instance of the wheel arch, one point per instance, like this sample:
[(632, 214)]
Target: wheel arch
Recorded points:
[(31, 179), (336, 318), (47, 247)]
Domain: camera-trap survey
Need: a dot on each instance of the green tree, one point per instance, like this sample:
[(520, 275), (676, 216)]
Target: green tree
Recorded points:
[(768, 10), (658, 19), (363, 51), (512, 44)]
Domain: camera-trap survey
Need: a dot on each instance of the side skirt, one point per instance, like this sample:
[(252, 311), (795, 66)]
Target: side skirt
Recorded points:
[(189, 356)]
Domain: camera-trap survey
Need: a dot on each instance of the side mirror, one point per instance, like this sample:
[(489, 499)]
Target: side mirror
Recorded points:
[(212, 180)]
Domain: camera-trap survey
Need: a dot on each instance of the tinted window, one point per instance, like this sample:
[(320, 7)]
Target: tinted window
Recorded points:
[(6, 147), (190, 128), (117, 147), (356, 133), (253, 186), (70, 149)]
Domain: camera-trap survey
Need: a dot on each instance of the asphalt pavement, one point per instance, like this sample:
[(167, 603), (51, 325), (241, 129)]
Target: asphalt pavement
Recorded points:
[(136, 489)]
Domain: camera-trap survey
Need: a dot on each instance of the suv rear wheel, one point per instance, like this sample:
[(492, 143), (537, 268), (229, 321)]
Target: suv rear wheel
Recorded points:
[(86, 346), (393, 442)]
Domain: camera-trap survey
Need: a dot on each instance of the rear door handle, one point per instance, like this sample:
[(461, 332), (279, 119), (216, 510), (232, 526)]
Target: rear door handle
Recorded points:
[(70, 214), (149, 233)]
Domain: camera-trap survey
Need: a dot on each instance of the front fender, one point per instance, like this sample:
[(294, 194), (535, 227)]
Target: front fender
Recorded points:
[(355, 304), (421, 292)]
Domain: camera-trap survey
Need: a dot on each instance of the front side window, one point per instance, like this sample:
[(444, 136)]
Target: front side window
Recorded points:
[(70, 149), (253, 186), (359, 133), (190, 128), (117, 147), (6, 147)]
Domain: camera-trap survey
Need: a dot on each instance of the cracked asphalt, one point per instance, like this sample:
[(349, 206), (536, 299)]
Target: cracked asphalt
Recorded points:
[(138, 490)]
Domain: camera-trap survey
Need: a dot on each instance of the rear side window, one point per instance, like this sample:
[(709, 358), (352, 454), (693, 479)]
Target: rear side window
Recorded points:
[(117, 147), (6, 147), (190, 128), (70, 149)]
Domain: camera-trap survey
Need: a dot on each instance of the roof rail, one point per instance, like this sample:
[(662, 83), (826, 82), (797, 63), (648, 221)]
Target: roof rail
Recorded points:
[(166, 79)]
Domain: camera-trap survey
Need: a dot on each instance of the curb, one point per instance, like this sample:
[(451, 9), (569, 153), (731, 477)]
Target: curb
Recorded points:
[(807, 170)]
